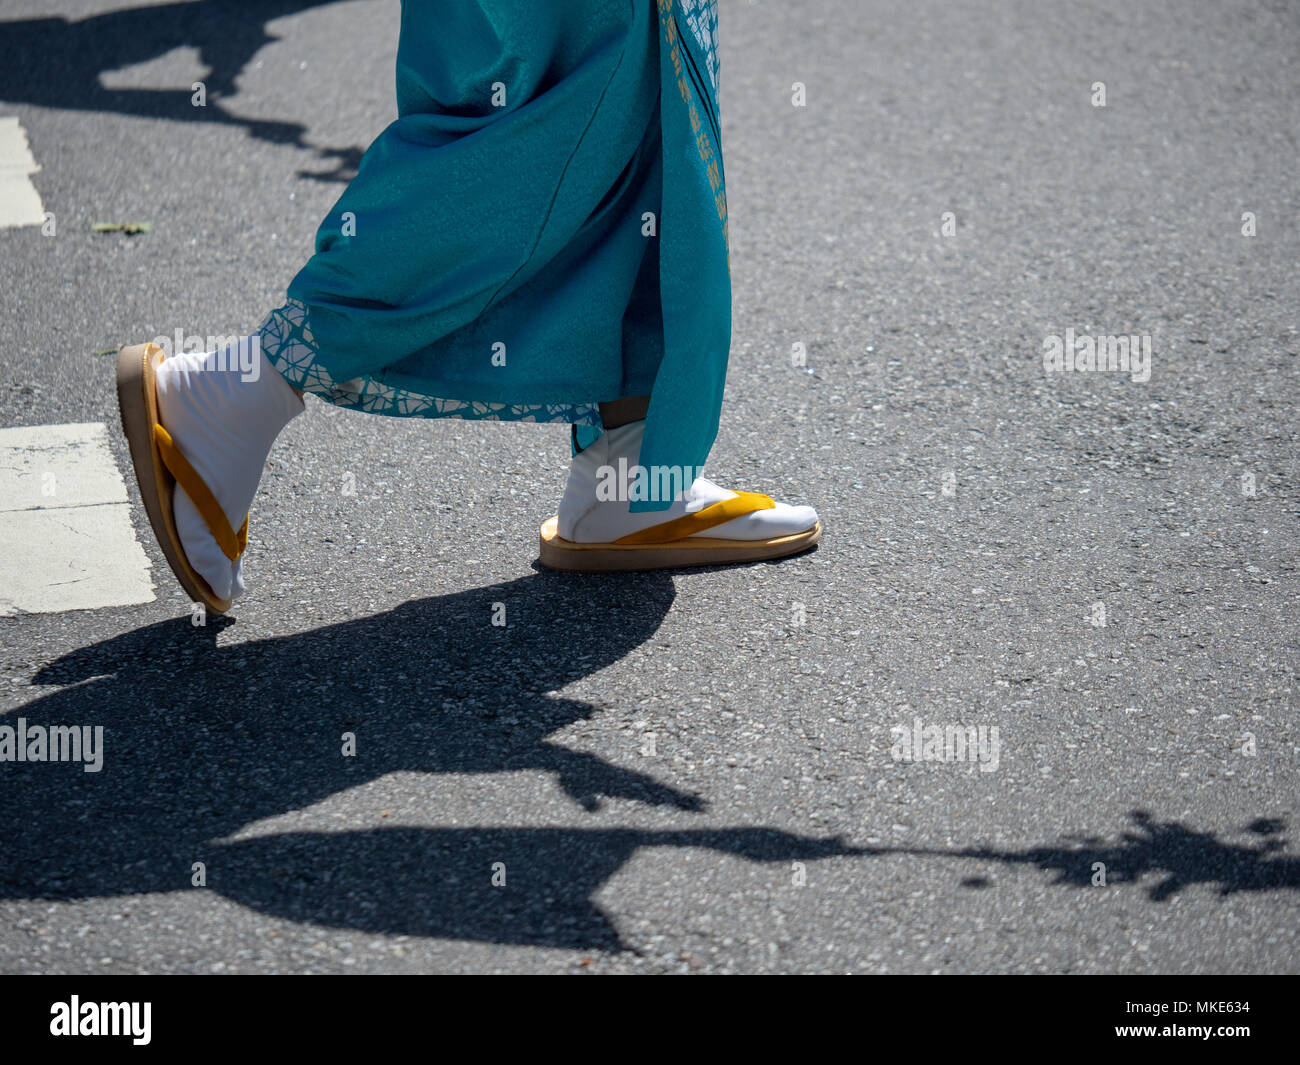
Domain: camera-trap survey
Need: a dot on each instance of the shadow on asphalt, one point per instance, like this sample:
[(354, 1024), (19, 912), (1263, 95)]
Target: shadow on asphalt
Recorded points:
[(202, 742), (58, 63), (1177, 855)]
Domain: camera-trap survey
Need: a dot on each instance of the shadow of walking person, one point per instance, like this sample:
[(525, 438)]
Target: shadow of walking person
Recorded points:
[(202, 740), (438, 881)]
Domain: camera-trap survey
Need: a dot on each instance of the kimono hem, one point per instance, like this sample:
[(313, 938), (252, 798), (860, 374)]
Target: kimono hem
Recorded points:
[(543, 228)]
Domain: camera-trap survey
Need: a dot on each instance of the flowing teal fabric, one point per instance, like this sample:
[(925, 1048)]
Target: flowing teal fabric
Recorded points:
[(543, 227)]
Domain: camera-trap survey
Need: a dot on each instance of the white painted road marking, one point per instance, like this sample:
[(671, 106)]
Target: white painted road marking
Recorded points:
[(20, 203), (66, 541)]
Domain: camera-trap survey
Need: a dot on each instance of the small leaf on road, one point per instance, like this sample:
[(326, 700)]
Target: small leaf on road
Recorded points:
[(129, 228)]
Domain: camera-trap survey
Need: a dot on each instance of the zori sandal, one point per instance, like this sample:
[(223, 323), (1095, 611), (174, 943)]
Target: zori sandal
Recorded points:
[(704, 526), (160, 467), (676, 543)]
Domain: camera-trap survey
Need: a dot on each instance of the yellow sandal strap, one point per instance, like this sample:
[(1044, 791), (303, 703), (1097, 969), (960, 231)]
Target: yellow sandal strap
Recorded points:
[(689, 524), (232, 544)]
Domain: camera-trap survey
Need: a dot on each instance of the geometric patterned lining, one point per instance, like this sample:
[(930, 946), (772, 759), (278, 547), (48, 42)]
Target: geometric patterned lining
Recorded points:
[(288, 343), (702, 18)]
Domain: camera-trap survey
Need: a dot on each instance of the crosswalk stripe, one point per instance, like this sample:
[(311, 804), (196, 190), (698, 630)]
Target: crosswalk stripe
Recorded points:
[(20, 203), (66, 540)]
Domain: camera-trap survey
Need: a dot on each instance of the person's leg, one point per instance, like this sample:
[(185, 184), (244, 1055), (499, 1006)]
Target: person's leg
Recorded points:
[(622, 411), (411, 298), (635, 497), (398, 311)]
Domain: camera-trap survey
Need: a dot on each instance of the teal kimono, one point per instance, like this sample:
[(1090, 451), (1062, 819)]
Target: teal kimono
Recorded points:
[(543, 228)]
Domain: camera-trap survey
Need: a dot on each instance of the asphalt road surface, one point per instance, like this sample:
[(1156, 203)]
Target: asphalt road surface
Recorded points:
[(699, 771)]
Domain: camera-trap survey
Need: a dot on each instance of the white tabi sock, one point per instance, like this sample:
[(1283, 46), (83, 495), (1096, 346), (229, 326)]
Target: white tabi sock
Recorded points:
[(224, 410)]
